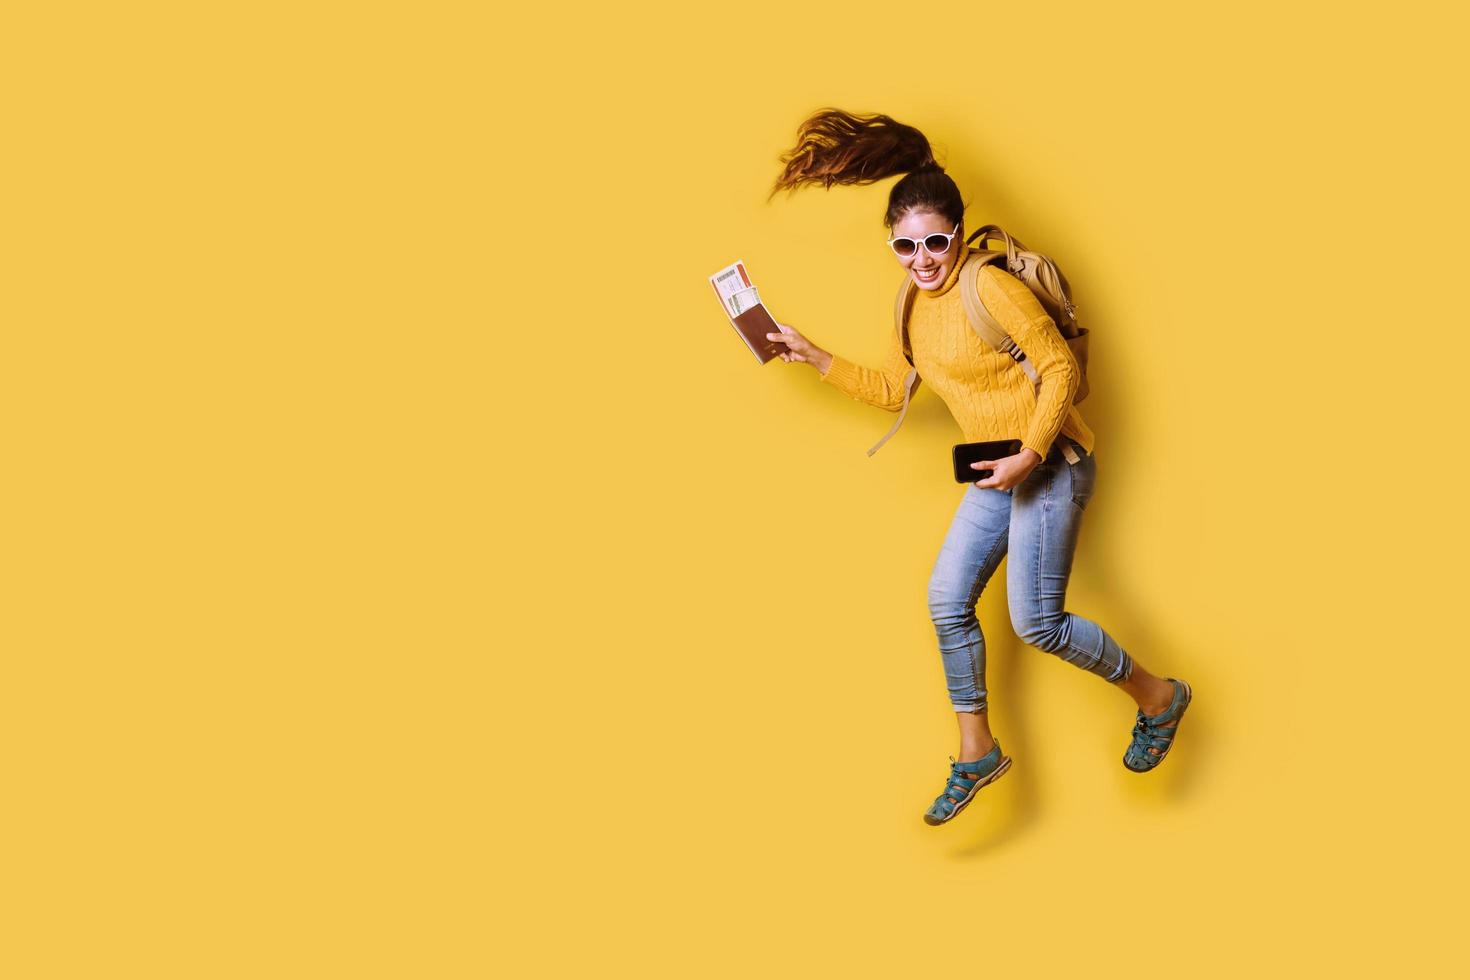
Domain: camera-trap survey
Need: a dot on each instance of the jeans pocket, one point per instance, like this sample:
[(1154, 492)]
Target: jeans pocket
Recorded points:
[(1083, 473), (990, 498)]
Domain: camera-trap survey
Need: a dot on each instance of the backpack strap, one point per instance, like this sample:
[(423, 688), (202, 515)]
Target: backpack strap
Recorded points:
[(908, 392), (986, 325), (902, 304)]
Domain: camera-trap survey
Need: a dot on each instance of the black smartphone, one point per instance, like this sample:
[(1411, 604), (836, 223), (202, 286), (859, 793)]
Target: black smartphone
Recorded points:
[(973, 452)]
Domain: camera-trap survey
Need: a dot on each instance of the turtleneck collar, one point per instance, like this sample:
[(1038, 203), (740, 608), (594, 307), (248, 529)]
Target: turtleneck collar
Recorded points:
[(950, 280)]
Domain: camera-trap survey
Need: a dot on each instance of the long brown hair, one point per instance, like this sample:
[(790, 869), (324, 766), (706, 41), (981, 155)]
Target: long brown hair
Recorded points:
[(836, 147)]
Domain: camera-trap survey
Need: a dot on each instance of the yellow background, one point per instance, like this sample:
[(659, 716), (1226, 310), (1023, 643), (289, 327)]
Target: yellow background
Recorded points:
[(408, 572)]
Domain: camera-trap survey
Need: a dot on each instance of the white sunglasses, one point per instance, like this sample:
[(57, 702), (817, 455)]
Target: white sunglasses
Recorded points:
[(935, 244)]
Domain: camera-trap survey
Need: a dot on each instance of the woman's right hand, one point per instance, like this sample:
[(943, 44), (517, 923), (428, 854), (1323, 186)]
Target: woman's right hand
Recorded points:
[(799, 349)]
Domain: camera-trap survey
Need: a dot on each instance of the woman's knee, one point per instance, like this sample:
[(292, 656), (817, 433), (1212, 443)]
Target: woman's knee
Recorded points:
[(1045, 631), (947, 604)]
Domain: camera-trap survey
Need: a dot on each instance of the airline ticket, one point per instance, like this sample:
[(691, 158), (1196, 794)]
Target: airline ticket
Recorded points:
[(735, 289)]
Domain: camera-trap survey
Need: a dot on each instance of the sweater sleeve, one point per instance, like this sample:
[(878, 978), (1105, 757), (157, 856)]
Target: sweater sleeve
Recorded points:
[(881, 389), (1018, 310)]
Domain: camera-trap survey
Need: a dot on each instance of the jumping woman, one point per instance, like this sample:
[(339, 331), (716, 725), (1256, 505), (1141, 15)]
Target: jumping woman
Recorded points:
[(1031, 505)]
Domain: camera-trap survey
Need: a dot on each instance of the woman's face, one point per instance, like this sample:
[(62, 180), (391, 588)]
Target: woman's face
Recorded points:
[(928, 270)]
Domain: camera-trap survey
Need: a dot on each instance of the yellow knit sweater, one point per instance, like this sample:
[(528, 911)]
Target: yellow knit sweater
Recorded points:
[(989, 395)]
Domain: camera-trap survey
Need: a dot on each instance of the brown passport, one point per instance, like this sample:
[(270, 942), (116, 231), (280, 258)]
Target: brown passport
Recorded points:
[(751, 324)]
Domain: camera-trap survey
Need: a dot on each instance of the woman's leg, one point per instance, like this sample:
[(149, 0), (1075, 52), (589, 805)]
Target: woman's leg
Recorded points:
[(972, 550), (1045, 520)]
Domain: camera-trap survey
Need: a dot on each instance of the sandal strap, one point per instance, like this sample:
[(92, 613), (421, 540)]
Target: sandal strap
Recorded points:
[(1155, 737), (954, 794), (944, 806), (977, 767), (1176, 707), (1142, 752)]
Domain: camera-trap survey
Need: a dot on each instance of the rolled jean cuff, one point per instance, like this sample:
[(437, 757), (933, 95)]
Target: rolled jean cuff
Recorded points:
[(972, 708), (1125, 670)]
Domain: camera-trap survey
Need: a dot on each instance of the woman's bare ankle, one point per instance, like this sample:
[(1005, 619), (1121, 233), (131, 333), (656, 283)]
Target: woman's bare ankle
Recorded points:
[(973, 751), (975, 737), (1151, 693)]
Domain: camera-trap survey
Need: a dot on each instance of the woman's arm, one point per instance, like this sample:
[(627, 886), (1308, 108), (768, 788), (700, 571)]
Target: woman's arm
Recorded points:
[(1018, 310), (883, 388)]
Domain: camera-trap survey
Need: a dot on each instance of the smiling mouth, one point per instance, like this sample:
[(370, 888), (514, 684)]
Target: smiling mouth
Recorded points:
[(927, 275)]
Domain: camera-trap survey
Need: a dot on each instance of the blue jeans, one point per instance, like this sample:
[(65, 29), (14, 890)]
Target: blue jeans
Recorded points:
[(1037, 522)]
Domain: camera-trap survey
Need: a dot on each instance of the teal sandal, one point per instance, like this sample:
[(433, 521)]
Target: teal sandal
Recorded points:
[(965, 780), (1148, 735)]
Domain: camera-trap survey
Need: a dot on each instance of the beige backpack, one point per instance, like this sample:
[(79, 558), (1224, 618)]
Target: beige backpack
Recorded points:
[(1041, 276)]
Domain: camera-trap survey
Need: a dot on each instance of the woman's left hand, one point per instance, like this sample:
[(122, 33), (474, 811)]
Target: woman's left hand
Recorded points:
[(1009, 471)]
